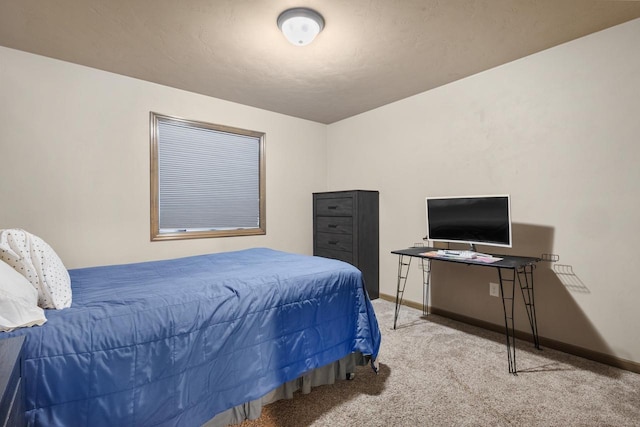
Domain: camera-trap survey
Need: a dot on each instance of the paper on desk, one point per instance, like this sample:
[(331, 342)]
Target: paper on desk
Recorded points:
[(484, 259), (488, 259)]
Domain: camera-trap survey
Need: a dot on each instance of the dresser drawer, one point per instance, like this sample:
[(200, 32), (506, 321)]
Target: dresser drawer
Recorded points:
[(334, 224), (340, 242), (339, 255), (338, 206)]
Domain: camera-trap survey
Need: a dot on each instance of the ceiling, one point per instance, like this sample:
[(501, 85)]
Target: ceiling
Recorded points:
[(370, 53)]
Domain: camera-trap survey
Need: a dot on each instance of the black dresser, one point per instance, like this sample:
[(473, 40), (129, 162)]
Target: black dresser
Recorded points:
[(12, 405), (345, 227)]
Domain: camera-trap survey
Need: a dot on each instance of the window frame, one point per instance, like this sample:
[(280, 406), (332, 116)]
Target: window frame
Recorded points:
[(156, 235)]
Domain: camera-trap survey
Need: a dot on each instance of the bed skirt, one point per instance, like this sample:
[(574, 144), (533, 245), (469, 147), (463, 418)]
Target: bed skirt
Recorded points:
[(328, 374)]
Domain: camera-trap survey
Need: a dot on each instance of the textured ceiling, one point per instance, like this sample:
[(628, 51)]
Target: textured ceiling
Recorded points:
[(370, 53)]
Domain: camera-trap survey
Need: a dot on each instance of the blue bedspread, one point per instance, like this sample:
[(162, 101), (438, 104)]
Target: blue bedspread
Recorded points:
[(175, 342)]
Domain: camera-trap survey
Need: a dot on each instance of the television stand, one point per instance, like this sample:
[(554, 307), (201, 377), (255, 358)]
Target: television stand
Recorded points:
[(510, 269)]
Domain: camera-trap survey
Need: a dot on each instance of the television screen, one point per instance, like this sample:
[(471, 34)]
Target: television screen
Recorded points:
[(484, 220)]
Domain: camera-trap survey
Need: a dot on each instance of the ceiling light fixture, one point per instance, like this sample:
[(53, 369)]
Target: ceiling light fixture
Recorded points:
[(300, 25)]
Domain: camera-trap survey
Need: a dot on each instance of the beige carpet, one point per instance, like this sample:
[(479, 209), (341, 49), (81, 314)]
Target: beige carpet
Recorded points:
[(438, 372)]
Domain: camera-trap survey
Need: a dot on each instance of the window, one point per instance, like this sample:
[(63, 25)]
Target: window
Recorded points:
[(206, 180)]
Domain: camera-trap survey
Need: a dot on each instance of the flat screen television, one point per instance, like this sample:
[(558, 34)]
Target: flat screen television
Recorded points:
[(482, 220)]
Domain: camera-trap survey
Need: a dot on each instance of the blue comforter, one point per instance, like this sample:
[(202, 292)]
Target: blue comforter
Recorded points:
[(175, 342)]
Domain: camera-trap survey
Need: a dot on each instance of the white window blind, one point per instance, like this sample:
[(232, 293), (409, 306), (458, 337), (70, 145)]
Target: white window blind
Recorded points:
[(207, 179)]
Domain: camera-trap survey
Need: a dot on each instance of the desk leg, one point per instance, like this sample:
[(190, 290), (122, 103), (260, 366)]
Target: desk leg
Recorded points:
[(509, 324), (525, 279), (403, 272), (425, 264)]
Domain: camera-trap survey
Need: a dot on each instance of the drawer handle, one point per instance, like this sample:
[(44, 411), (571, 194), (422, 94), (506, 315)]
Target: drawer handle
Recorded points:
[(333, 207), (333, 242), (332, 226)]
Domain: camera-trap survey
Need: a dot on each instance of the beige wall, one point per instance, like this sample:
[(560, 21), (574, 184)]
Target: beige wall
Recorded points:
[(559, 132), (74, 162)]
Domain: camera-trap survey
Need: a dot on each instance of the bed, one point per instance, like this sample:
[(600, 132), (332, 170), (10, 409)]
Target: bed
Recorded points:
[(191, 340)]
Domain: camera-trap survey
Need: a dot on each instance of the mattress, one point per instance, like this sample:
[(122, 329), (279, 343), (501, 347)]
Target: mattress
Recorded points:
[(176, 342)]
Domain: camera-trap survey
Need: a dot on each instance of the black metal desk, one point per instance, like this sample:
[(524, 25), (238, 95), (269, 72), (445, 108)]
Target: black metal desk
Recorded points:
[(509, 267)]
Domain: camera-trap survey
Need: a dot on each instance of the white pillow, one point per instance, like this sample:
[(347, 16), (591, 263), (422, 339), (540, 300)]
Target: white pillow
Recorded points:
[(18, 301), (32, 257)]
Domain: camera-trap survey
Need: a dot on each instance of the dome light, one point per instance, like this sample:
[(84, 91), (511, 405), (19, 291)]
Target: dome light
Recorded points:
[(300, 25)]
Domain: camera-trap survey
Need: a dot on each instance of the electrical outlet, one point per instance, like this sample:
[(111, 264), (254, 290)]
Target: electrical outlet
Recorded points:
[(494, 289)]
